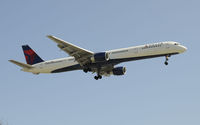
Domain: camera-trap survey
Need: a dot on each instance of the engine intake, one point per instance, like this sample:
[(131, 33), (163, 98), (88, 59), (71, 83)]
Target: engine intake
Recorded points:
[(100, 57), (119, 71)]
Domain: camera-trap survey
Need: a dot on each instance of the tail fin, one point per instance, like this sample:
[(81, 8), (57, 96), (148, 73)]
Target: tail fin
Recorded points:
[(30, 55)]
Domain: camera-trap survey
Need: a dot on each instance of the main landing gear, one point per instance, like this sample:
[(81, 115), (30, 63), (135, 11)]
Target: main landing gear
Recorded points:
[(98, 74), (166, 59), (98, 77), (86, 70)]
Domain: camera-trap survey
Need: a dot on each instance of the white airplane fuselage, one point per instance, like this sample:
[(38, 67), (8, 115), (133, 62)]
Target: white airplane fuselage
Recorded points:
[(114, 57)]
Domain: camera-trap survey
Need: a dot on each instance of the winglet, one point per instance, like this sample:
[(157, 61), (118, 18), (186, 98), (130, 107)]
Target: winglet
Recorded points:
[(27, 66)]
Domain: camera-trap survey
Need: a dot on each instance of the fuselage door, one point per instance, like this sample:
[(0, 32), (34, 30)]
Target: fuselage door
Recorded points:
[(167, 45), (135, 50)]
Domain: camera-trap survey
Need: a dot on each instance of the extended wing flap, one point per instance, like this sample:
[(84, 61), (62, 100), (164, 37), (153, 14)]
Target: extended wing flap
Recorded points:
[(21, 64), (81, 55)]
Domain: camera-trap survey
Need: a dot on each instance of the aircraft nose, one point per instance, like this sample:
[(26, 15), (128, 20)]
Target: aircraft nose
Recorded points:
[(183, 49)]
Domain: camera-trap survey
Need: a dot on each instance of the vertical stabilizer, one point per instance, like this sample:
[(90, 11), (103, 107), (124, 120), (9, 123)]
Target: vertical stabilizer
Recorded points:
[(30, 55)]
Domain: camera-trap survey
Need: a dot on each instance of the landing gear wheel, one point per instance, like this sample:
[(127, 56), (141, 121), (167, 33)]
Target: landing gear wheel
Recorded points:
[(100, 77), (166, 59), (98, 73), (85, 70), (96, 77)]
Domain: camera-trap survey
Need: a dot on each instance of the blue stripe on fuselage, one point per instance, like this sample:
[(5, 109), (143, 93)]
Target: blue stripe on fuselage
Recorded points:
[(111, 61)]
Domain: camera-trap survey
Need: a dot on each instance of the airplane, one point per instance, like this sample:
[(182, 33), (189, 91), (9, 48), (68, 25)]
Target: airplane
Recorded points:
[(101, 63)]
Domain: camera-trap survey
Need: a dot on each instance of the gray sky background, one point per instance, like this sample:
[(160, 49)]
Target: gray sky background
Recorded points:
[(149, 94)]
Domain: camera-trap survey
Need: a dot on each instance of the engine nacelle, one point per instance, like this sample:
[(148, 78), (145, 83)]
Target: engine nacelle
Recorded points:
[(100, 57), (119, 71)]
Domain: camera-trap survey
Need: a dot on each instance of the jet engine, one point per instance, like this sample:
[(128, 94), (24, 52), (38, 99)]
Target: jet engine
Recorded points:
[(100, 57), (119, 71)]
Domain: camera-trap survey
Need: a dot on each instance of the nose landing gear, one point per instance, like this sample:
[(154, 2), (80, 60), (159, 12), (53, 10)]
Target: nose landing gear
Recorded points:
[(166, 63), (166, 59)]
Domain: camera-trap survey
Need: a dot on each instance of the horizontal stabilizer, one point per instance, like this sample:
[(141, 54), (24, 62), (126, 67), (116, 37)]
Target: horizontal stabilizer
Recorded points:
[(21, 64)]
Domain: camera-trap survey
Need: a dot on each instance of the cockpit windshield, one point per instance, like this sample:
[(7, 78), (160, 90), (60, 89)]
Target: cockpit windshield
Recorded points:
[(176, 44)]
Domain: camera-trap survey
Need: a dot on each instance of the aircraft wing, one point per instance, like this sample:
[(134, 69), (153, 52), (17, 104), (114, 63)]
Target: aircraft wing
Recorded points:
[(82, 56)]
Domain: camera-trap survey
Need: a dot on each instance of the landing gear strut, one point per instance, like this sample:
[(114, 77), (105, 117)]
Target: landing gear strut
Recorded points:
[(98, 74), (166, 59), (166, 63)]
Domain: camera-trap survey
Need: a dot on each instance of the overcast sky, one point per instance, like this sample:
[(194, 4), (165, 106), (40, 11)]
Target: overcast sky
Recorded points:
[(149, 94)]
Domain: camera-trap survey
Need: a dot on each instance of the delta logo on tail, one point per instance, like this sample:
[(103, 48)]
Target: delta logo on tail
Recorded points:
[(30, 55)]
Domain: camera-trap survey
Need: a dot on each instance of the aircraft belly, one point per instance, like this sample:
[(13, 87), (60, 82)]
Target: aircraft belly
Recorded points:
[(50, 67)]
